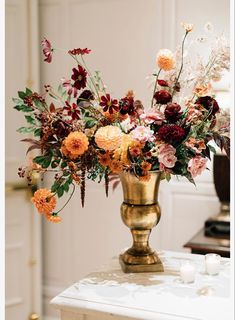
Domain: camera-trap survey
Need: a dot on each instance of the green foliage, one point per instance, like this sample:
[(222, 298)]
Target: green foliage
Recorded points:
[(30, 119), (25, 129)]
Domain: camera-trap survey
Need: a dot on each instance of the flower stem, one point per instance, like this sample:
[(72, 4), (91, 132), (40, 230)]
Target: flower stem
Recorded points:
[(155, 86), (90, 76), (182, 63), (67, 200)]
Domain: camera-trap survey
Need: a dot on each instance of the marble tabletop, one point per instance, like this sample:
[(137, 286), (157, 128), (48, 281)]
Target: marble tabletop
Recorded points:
[(152, 296)]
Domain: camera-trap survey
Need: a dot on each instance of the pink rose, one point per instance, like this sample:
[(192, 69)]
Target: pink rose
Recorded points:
[(152, 116), (166, 156), (196, 165), (143, 134)]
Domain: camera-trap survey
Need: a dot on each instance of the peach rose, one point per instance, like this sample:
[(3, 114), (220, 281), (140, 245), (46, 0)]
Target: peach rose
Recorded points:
[(108, 138), (166, 155), (196, 165)]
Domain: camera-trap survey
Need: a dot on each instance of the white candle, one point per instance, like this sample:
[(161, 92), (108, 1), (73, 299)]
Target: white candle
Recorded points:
[(212, 263), (187, 272)]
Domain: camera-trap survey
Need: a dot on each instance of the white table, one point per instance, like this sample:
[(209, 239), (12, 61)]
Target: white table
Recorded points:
[(109, 294)]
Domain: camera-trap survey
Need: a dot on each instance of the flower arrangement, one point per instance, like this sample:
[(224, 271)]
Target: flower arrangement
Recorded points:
[(83, 132)]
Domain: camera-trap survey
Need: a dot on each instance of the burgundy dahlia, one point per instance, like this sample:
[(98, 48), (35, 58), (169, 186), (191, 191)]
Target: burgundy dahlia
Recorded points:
[(109, 104), (209, 103), (162, 96), (171, 133), (79, 76), (172, 112), (126, 105)]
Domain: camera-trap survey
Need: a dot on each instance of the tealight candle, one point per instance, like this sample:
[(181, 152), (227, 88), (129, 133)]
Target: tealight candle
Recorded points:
[(212, 263), (187, 272)]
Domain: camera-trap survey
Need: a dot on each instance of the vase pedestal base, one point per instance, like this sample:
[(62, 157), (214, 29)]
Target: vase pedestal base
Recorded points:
[(156, 266)]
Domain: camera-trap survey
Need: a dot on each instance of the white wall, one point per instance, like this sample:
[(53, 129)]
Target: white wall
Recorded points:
[(124, 36)]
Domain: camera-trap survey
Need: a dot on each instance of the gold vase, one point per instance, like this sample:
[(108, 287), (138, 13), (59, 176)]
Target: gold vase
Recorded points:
[(140, 212)]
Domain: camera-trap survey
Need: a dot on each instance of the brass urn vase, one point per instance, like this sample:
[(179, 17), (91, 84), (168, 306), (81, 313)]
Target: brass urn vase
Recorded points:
[(140, 212)]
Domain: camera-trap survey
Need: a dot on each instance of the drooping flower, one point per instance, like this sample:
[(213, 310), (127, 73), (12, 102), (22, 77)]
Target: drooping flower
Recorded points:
[(142, 134), (76, 143), (79, 76), (195, 144), (165, 59), (172, 112), (196, 165), (53, 218), (72, 110), (152, 116), (209, 103), (70, 89), (47, 50), (108, 138), (188, 27), (44, 201), (171, 133), (162, 96), (109, 104), (79, 51), (166, 155)]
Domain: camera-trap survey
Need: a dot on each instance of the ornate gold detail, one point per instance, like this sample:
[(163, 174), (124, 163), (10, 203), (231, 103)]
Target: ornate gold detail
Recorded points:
[(34, 316), (140, 212)]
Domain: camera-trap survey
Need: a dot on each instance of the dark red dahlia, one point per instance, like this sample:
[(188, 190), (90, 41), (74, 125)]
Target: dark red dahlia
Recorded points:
[(126, 105), (162, 96), (72, 110), (208, 103), (80, 51), (109, 104), (171, 133), (86, 95), (172, 112), (162, 83), (79, 76)]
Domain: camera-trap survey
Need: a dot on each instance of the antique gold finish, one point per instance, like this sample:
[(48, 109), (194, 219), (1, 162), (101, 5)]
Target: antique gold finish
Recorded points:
[(34, 316), (140, 212)]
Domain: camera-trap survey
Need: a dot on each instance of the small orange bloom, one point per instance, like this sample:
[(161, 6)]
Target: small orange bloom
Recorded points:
[(54, 219), (145, 178), (165, 60), (44, 201), (146, 166), (116, 166), (76, 143), (135, 151), (76, 178), (104, 159)]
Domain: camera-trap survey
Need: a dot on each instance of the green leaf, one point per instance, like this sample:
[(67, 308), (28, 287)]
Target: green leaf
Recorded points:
[(37, 132), (212, 149), (25, 130), (39, 159), (55, 163), (55, 186), (21, 94), (89, 122), (28, 91), (24, 108), (60, 191), (30, 119), (63, 164), (47, 160), (38, 105), (17, 101), (66, 186)]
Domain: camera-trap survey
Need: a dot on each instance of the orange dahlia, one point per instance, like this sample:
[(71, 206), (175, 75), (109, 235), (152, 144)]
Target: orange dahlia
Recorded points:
[(165, 60), (76, 144), (146, 166), (53, 218), (104, 159), (108, 137), (44, 201)]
